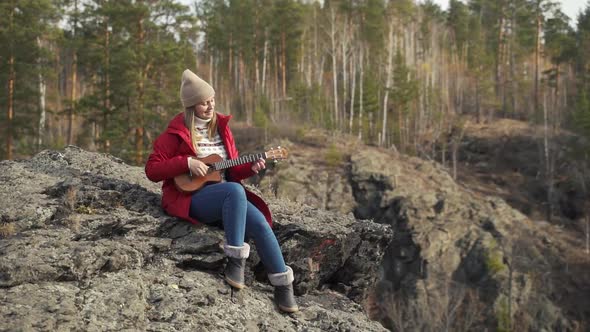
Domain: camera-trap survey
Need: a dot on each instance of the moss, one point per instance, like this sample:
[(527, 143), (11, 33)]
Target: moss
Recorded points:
[(494, 262), (503, 315), (494, 259), (85, 210)]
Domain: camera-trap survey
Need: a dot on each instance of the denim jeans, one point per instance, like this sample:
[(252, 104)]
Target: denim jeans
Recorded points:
[(226, 202)]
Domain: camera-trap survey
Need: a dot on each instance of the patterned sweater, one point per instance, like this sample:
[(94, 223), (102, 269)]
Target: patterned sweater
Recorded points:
[(206, 146)]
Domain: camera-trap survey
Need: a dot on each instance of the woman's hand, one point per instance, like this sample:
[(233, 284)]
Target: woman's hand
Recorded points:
[(258, 165), (197, 167)]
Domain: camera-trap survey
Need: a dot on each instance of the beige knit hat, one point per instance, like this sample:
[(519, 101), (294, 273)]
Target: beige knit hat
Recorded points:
[(193, 89)]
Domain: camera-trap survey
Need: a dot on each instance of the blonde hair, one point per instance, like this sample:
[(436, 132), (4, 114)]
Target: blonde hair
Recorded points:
[(189, 122)]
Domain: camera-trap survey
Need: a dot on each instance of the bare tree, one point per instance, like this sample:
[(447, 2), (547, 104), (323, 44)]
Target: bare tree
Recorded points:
[(107, 83), (334, 53), (74, 81), (42, 94), (353, 90), (11, 79), (389, 78), (264, 57), (361, 92)]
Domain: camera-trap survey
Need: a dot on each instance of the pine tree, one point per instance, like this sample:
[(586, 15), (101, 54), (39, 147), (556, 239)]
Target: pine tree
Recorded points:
[(582, 113), (24, 58), (458, 22)]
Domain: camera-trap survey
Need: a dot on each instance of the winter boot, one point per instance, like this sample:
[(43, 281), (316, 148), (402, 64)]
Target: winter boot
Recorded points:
[(236, 264), (284, 297)]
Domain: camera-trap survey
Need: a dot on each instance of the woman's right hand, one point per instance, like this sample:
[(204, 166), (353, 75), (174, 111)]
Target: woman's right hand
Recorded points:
[(197, 167)]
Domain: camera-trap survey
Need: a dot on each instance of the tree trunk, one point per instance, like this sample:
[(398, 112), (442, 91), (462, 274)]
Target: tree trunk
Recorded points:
[(500, 56), (211, 65), (321, 71), (548, 167), (276, 85), (107, 88), (139, 129), (477, 102), (284, 63), (352, 91), (42, 95), (388, 80), (334, 51), (10, 112), (230, 56), (344, 50), (72, 109), (264, 60), (301, 65), (243, 92), (361, 92), (317, 62), (256, 65), (443, 155), (556, 105), (512, 64), (74, 97), (537, 60)]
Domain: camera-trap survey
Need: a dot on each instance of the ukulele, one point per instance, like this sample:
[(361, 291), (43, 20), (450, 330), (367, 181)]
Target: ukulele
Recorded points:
[(187, 183)]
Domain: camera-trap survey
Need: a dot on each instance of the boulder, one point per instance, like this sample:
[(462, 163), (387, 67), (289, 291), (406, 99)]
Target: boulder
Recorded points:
[(85, 246), (459, 259)]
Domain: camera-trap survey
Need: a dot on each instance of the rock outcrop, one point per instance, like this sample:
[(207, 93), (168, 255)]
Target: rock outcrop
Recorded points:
[(459, 260), (85, 246)]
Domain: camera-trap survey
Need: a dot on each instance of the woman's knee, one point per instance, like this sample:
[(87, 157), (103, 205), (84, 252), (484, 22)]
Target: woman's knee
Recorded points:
[(235, 190)]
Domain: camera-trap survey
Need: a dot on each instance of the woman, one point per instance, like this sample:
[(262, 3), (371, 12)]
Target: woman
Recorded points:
[(196, 133)]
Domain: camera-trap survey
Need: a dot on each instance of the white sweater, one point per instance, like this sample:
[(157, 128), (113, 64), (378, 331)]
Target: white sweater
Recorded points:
[(206, 146)]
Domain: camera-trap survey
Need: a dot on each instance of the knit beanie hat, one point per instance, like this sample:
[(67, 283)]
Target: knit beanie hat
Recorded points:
[(193, 89)]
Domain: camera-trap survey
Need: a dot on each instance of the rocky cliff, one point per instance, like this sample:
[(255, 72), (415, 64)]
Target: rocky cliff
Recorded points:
[(84, 246), (460, 260)]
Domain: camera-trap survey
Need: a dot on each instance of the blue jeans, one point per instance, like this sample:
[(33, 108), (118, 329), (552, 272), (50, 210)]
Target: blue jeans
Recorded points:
[(226, 202)]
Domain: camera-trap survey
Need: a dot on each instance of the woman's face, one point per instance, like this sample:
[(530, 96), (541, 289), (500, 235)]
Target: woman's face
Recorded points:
[(205, 109)]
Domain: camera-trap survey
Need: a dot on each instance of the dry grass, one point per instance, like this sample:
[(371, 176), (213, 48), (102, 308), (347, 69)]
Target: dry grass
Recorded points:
[(7, 230), (70, 197), (456, 307), (72, 222)]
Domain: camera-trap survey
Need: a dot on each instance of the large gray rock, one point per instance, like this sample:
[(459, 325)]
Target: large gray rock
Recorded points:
[(86, 247), (459, 260), (312, 175)]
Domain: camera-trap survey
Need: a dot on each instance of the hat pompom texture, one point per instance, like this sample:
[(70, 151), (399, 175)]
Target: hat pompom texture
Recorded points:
[(194, 89)]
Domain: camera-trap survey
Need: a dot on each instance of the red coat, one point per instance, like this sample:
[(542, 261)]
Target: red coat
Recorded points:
[(169, 159)]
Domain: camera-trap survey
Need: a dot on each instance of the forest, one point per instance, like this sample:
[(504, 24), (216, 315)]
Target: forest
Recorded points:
[(105, 75)]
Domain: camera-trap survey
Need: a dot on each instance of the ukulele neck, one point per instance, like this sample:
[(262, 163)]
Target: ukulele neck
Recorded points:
[(239, 161)]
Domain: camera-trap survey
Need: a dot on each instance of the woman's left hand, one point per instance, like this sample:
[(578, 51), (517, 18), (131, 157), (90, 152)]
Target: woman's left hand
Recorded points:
[(258, 165)]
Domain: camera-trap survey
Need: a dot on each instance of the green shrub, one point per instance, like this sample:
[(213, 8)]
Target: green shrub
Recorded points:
[(494, 259)]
